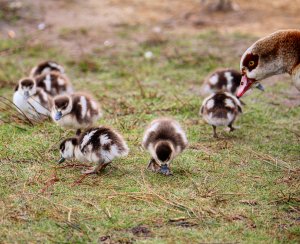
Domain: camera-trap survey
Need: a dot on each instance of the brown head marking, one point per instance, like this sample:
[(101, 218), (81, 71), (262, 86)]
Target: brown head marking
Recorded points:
[(61, 102), (163, 151), (251, 61), (27, 83)]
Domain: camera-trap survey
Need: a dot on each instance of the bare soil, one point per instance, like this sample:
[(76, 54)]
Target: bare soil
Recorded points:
[(80, 26)]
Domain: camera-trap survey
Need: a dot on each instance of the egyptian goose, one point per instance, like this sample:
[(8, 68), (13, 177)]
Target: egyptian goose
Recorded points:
[(274, 54)]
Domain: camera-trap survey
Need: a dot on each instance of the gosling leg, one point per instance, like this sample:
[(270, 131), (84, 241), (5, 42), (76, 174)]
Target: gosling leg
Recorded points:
[(215, 135), (96, 169)]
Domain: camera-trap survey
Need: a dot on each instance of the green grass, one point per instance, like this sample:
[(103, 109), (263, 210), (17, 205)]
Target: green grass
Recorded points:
[(243, 187)]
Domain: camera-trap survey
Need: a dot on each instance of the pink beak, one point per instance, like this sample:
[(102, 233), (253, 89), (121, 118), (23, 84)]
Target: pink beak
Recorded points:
[(245, 85)]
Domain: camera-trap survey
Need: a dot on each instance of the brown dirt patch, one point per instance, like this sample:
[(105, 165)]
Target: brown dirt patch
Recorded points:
[(80, 26), (141, 231)]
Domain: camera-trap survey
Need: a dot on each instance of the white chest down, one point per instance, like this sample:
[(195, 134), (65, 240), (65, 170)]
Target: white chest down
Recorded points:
[(31, 107)]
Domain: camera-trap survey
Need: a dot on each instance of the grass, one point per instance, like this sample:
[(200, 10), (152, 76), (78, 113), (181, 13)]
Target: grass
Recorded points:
[(243, 187)]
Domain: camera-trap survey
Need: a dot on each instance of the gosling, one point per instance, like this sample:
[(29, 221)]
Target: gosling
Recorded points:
[(76, 111), (32, 101), (164, 139), (220, 109), (100, 145), (45, 68), (54, 83), (227, 80)]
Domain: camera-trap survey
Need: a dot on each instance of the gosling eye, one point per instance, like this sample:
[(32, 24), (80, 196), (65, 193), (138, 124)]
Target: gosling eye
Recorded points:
[(251, 63)]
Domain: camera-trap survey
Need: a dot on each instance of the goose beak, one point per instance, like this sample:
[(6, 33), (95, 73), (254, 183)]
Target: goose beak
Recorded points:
[(62, 159), (26, 95), (245, 85), (58, 115), (165, 170), (259, 86)]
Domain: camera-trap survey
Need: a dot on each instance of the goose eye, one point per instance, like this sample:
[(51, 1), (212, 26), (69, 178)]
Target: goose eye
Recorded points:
[(251, 63)]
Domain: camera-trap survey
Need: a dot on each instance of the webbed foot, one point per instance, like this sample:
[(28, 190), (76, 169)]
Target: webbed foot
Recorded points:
[(165, 170)]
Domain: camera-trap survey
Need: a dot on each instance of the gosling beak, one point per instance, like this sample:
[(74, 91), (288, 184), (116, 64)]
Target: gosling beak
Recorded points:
[(259, 86), (26, 95), (62, 159), (245, 85), (165, 170), (58, 115)]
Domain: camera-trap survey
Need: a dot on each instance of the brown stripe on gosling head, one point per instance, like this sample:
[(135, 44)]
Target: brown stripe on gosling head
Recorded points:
[(163, 151), (61, 102), (27, 82), (62, 145)]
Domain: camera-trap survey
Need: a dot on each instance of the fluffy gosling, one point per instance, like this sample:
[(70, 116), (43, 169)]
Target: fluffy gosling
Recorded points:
[(164, 139), (75, 111), (45, 68), (98, 145), (227, 80), (31, 100), (220, 109), (54, 83)]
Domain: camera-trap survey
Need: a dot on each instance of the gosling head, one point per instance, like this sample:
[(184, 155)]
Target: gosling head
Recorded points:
[(164, 151), (62, 105), (26, 87), (67, 148)]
